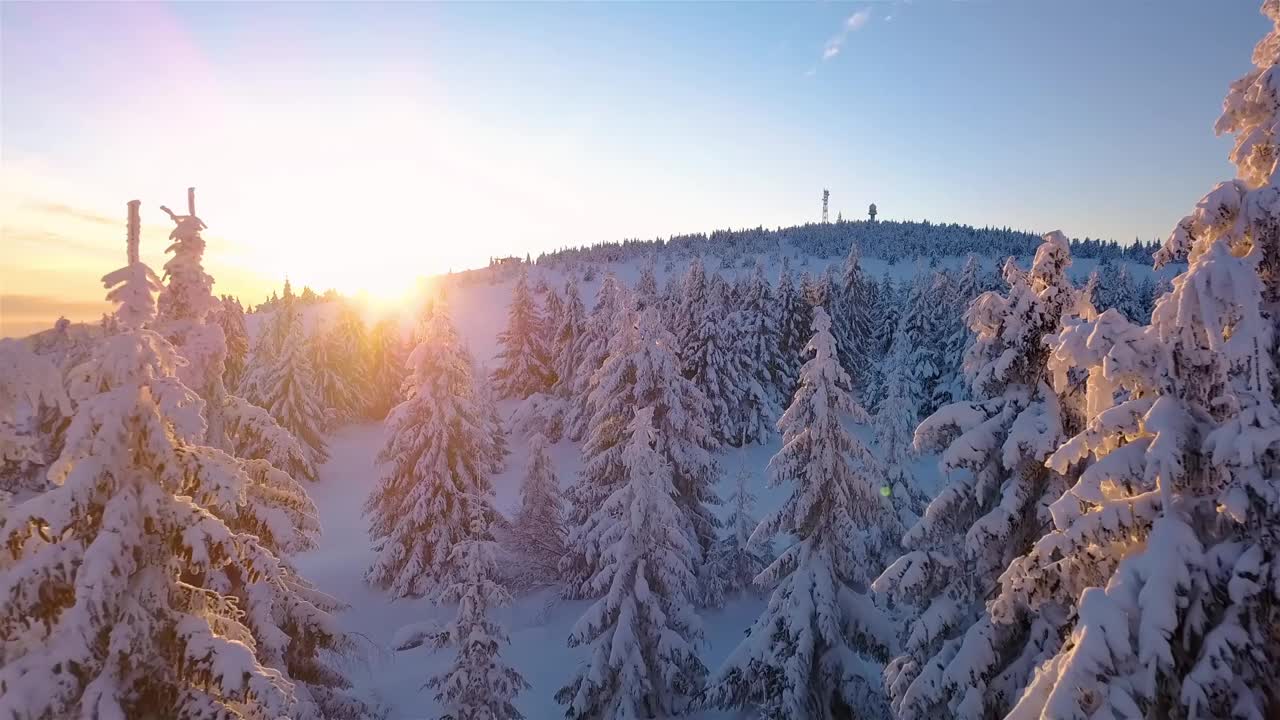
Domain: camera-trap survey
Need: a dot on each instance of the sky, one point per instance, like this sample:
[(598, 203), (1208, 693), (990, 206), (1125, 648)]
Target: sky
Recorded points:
[(360, 146)]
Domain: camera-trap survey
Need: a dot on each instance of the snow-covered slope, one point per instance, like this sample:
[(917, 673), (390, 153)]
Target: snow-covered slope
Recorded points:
[(539, 623)]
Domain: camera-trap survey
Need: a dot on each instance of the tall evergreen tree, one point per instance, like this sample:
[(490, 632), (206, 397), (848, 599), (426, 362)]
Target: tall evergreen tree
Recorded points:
[(565, 347), (642, 372), (646, 291), (1169, 538), (437, 470), (815, 650), (760, 363), (478, 685), (336, 395), (387, 367), (642, 634), (284, 384), (852, 320), (710, 358), (538, 531), (593, 348), (793, 330), (523, 365), (185, 318), (126, 540), (690, 311), (230, 316), (955, 660), (737, 558)]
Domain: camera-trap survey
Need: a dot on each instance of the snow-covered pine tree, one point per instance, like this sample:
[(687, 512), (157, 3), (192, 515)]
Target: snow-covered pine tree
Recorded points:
[(760, 365), (338, 398), (493, 443), (895, 424), (642, 371), (565, 344), (184, 318), (436, 468), (538, 531), (523, 366), (710, 359), (643, 633), (592, 349), (230, 316), (737, 558), (387, 367), (124, 540), (550, 314), (958, 339), (815, 651), (794, 321), (28, 384), (689, 312), (888, 314), (255, 434), (1170, 534), (285, 385), (887, 317), (478, 685), (920, 332), (645, 293), (350, 343), (851, 321), (956, 661)]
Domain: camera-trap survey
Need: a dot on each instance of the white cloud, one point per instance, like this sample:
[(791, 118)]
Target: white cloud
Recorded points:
[(852, 24)]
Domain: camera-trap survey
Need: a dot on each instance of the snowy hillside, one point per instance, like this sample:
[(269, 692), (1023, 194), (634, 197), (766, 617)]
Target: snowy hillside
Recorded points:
[(539, 623)]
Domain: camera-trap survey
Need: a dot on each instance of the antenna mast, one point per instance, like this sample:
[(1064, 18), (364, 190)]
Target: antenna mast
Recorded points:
[(826, 195)]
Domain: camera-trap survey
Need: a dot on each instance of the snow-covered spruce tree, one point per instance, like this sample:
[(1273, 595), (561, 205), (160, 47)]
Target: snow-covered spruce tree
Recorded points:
[(895, 424), (387, 368), (493, 443), (478, 685), (760, 365), (550, 314), (710, 359), (538, 531), (816, 650), (592, 349), (737, 558), (230, 316), (349, 351), (689, 312), (1171, 534), (794, 321), (921, 333), (641, 371), (255, 434), (28, 384), (437, 468), (955, 660), (957, 338), (185, 308), (887, 318), (565, 344), (643, 633), (523, 366), (645, 293), (286, 385), (336, 395), (851, 320), (127, 542)]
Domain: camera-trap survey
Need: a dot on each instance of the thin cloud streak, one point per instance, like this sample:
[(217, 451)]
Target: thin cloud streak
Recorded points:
[(852, 24)]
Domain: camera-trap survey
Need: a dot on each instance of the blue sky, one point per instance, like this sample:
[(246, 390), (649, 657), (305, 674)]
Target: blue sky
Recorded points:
[(343, 143)]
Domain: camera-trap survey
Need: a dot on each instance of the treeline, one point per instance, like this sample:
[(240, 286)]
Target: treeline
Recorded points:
[(888, 240)]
